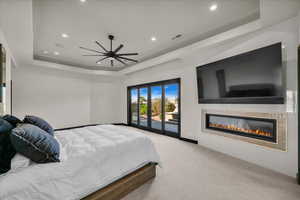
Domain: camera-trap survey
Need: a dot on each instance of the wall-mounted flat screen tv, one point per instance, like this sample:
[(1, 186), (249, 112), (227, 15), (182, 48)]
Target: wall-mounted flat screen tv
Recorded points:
[(255, 77)]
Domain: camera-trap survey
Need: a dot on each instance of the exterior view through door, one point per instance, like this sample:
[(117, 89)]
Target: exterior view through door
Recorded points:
[(155, 107)]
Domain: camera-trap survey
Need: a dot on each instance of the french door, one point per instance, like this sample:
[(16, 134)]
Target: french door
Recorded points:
[(155, 107)]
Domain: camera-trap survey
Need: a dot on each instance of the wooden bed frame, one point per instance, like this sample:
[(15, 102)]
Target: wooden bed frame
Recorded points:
[(125, 185)]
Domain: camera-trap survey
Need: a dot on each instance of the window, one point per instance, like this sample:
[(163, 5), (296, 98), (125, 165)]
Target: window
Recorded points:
[(156, 107)]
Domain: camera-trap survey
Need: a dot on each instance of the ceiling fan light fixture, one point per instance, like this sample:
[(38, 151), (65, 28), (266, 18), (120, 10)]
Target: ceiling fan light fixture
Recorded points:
[(110, 54)]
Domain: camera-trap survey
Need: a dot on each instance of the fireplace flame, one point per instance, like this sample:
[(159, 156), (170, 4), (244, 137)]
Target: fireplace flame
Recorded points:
[(243, 130)]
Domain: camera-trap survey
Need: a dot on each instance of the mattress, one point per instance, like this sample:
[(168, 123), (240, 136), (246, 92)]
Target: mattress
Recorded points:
[(91, 158)]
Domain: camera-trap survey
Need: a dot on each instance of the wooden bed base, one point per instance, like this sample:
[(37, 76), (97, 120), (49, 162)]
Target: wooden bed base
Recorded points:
[(125, 185)]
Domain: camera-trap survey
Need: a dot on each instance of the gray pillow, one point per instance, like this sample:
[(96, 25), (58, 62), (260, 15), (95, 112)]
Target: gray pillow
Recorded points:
[(13, 120), (35, 144), (5, 126), (41, 123), (7, 151)]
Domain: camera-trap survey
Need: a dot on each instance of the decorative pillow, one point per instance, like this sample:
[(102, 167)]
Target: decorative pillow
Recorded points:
[(5, 126), (12, 120), (41, 123), (7, 152), (35, 143)]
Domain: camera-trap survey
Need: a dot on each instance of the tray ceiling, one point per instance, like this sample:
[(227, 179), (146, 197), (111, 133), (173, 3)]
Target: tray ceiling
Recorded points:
[(133, 22)]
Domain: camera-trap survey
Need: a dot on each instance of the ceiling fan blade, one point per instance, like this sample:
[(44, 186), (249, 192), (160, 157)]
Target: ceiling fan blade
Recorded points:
[(101, 46), (91, 50), (119, 48), (111, 63), (127, 59), (94, 55), (102, 59), (128, 54), (120, 61), (111, 45)]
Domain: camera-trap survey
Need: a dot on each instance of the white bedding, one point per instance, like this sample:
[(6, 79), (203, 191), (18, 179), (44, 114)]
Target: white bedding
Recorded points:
[(91, 158), (19, 162)]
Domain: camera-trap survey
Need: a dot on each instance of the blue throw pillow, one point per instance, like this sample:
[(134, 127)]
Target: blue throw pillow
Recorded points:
[(12, 120), (35, 143), (5, 126), (40, 123), (7, 151)]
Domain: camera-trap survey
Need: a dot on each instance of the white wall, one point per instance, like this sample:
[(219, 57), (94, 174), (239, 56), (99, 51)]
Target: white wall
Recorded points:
[(286, 32), (105, 100), (60, 97), (65, 99)]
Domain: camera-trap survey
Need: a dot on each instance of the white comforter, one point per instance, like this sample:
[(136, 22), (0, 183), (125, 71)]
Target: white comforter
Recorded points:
[(91, 158)]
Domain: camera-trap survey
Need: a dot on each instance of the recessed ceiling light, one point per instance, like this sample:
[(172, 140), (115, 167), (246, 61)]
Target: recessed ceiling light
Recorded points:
[(153, 39), (45, 52), (213, 7), (82, 1), (98, 63), (64, 35), (56, 53)]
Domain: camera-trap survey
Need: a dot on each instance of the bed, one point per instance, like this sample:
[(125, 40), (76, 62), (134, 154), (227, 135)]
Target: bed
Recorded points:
[(97, 162)]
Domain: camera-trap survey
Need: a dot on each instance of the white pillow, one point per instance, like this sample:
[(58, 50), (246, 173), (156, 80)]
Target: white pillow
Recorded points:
[(19, 161)]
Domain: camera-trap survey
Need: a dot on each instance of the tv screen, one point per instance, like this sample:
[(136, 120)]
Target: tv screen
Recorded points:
[(252, 77)]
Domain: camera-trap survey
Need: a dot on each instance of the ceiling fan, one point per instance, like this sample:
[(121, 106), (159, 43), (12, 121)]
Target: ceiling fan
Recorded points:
[(111, 54)]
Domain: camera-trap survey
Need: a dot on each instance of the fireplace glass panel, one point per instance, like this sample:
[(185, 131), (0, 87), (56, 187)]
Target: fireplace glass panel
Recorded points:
[(259, 128)]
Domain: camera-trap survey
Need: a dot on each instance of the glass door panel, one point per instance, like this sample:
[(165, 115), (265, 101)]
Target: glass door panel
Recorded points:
[(156, 107), (143, 106), (171, 104), (134, 106), (156, 111)]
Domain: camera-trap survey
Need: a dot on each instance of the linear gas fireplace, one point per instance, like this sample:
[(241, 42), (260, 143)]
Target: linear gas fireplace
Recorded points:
[(260, 128)]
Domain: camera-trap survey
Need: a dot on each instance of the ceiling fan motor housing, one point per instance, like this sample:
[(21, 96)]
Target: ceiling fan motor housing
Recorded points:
[(111, 37)]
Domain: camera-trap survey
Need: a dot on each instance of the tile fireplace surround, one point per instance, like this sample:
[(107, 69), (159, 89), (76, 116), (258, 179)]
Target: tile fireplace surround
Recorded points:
[(264, 129)]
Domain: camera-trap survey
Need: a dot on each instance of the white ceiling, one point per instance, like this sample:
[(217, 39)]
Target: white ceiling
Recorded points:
[(133, 22)]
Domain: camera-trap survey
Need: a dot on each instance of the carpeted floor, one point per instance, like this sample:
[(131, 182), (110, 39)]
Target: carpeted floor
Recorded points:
[(192, 172)]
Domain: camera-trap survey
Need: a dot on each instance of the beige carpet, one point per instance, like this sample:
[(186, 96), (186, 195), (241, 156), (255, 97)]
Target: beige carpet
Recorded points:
[(191, 172)]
